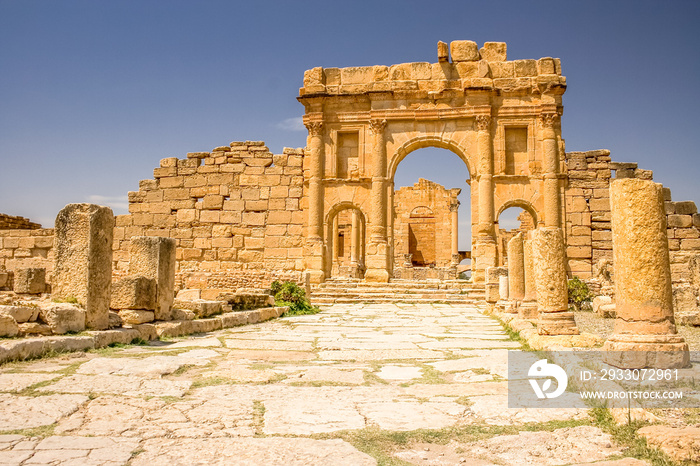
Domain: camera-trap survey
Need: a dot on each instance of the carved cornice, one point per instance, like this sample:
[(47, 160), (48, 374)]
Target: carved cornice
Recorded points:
[(315, 127), (483, 122), (377, 126)]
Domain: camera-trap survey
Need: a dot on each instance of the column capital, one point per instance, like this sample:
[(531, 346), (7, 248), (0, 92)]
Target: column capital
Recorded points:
[(454, 207), (315, 127), (377, 126), (548, 119), (483, 122)]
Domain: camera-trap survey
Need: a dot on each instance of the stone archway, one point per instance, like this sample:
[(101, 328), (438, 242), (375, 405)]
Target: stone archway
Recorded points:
[(500, 117), (345, 227)]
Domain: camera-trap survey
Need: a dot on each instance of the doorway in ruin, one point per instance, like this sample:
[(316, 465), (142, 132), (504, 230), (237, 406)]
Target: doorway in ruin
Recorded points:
[(430, 228), (515, 217), (347, 235)]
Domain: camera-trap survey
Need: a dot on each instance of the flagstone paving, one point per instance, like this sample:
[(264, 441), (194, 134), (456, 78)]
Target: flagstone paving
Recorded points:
[(283, 392)]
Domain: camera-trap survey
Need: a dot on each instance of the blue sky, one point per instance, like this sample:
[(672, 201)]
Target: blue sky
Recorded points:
[(94, 93)]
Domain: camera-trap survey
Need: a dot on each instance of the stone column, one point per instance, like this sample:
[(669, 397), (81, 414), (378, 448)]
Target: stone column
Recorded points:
[(645, 331), (528, 308), (454, 208), (317, 163), (552, 202), (83, 260), (485, 245), (378, 247), (503, 303), (154, 257), (552, 291), (336, 246), (355, 235), (516, 272)]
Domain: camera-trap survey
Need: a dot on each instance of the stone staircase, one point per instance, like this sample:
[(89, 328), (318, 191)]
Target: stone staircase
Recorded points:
[(350, 290)]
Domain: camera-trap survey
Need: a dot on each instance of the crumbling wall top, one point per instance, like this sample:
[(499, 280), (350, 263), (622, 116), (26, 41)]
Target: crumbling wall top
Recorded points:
[(485, 68)]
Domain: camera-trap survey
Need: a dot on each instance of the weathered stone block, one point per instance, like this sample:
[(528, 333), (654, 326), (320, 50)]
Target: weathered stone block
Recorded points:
[(154, 257), (134, 293), (135, 316), (679, 221), (494, 51), (34, 328), (83, 259), (464, 50), (443, 53), (200, 307), (30, 280), (686, 207), (20, 313), (8, 326), (182, 314), (63, 317)]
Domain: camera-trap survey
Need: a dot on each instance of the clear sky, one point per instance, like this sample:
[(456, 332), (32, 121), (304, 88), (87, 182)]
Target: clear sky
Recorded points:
[(94, 93)]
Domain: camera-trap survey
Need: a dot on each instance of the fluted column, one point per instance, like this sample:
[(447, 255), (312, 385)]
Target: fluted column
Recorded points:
[(378, 248), (454, 208), (552, 202), (486, 251), (317, 162)]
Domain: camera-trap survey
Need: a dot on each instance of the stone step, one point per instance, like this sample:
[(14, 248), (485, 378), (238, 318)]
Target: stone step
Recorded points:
[(408, 300)]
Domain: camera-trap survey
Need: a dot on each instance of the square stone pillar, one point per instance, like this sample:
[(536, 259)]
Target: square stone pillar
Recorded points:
[(645, 331), (493, 276), (154, 257), (83, 260)]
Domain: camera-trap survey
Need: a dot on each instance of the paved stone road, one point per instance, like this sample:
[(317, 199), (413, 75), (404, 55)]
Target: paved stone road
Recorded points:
[(254, 395)]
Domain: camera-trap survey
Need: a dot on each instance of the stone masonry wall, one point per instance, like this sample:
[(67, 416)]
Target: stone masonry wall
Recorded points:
[(9, 222), (423, 211), (26, 248), (234, 212), (587, 197)]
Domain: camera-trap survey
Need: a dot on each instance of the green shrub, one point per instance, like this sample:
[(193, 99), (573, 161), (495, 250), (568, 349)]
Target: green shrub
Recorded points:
[(578, 293), (292, 295)]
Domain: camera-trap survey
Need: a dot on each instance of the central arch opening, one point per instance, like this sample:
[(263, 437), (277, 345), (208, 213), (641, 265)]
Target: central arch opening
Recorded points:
[(430, 190)]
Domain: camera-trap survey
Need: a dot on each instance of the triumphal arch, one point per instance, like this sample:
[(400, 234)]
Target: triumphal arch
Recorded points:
[(502, 118)]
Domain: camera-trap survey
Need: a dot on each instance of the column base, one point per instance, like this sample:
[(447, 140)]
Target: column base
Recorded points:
[(316, 276), (557, 323), (377, 276), (505, 305), (651, 351), (528, 310)]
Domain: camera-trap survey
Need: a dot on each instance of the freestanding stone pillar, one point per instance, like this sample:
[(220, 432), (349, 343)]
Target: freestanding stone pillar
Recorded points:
[(355, 245), (552, 203), (154, 257), (83, 260), (528, 308), (317, 162), (493, 280), (552, 291), (378, 247), (334, 257), (516, 272), (503, 303), (485, 244), (454, 208), (645, 331)]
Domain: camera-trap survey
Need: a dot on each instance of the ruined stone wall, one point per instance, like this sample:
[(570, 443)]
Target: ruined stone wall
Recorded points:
[(423, 223), (235, 214), (26, 248), (9, 222), (588, 229)]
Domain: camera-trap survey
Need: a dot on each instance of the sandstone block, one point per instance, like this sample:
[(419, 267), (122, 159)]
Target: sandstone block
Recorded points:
[(8, 326), (684, 299), (20, 313), (464, 50), (200, 307), (114, 320), (494, 51), (34, 328), (83, 259), (525, 68), (183, 314), (686, 208), (154, 257), (679, 221), (134, 316), (134, 293), (30, 280), (443, 53), (5, 279), (63, 317)]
